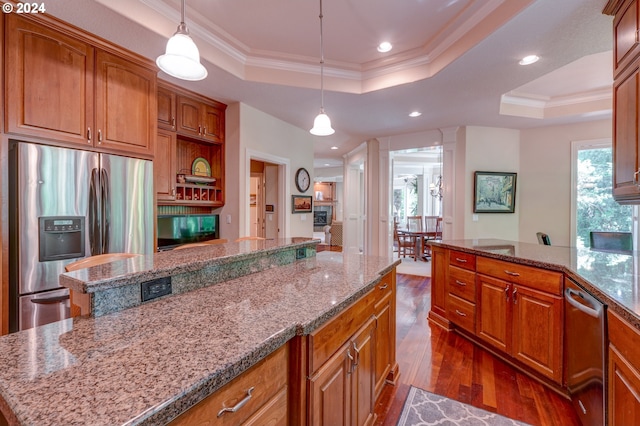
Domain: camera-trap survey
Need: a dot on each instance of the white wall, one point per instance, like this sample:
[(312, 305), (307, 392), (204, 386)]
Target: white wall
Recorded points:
[(544, 182), (490, 150), (248, 129)]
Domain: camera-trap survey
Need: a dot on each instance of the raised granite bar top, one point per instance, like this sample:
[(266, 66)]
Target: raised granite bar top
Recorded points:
[(147, 364), (174, 262), (611, 277)]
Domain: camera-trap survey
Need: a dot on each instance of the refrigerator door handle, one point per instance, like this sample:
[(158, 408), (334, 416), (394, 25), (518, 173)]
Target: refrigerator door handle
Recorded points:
[(94, 224), (106, 209)]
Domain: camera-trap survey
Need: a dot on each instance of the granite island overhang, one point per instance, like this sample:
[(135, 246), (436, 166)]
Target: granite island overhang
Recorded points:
[(146, 364)]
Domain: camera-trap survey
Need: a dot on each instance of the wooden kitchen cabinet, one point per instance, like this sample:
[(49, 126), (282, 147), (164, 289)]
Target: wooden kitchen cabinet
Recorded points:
[(439, 272), (164, 170), (626, 140), (63, 85), (385, 314), (342, 392), (264, 387), (623, 393), (197, 125), (204, 120), (166, 108), (521, 313)]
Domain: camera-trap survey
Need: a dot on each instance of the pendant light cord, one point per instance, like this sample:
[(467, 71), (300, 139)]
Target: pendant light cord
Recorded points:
[(182, 13), (321, 64)]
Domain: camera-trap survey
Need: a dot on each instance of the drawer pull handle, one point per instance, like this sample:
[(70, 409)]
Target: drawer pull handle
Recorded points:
[(515, 293), (88, 134), (384, 287), (239, 405), (461, 283), (461, 260), (462, 314), (506, 292), (513, 274)]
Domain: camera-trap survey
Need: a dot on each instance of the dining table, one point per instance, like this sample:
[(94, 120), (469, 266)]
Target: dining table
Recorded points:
[(420, 237)]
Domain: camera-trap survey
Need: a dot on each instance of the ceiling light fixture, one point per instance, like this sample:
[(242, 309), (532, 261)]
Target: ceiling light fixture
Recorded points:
[(528, 60), (385, 47), (182, 58), (334, 147), (415, 114), (322, 123)]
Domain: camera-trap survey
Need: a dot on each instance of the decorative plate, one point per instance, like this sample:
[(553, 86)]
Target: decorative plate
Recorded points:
[(201, 167)]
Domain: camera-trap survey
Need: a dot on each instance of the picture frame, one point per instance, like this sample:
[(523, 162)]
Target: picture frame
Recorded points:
[(269, 208), (301, 204), (494, 192)]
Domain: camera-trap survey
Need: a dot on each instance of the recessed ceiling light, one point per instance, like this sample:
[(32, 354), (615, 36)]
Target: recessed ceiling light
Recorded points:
[(384, 47), (327, 164), (415, 114), (334, 147), (528, 60)]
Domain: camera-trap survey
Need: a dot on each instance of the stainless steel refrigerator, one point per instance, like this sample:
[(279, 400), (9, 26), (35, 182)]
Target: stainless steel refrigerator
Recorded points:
[(66, 204)]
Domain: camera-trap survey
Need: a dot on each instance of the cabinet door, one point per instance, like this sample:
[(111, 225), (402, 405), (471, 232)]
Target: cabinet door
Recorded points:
[(494, 311), (49, 83), (623, 390), (212, 123), (166, 109), (164, 166), (625, 34), (625, 141), (439, 272), (189, 117), (126, 106), (384, 343), (363, 375), (330, 391), (537, 323)]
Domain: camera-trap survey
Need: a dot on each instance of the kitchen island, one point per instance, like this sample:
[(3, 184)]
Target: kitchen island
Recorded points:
[(568, 317), (149, 363)]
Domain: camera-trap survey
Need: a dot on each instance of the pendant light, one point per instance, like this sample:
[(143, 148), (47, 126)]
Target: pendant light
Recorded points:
[(322, 123), (182, 58)]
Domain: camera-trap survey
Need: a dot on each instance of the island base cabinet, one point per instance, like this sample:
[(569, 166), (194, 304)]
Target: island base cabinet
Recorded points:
[(342, 392), (257, 397), (624, 373)]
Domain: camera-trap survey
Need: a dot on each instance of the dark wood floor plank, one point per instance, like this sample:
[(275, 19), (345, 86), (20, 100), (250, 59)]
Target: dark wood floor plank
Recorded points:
[(447, 364)]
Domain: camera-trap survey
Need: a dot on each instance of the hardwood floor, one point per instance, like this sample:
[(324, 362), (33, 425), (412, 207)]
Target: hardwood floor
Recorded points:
[(447, 364)]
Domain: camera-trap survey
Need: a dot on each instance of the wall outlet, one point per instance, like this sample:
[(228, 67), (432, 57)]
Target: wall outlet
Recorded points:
[(228, 218), (303, 217), (474, 217)]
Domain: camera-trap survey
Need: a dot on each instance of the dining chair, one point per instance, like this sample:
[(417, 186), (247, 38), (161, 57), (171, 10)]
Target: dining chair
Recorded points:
[(249, 238), (406, 243), (543, 238), (414, 223), (80, 303), (431, 227)]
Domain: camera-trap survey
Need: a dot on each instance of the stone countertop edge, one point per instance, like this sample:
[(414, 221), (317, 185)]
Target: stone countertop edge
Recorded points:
[(612, 304), (172, 409), (164, 264)]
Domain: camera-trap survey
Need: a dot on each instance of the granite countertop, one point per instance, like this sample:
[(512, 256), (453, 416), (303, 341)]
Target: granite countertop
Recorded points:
[(611, 277), (147, 364), (174, 262)]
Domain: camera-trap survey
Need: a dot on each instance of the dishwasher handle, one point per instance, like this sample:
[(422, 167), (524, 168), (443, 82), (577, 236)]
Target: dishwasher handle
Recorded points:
[(594, 311)]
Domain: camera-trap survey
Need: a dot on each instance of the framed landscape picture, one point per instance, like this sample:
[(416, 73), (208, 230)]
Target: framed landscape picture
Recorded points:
[(301, 203), (494, 192)]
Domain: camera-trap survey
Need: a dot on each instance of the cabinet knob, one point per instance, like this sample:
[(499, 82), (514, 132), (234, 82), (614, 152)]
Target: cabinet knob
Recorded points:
[(99, 136), (515, 292), (506, 292), (88, 134), (204, 130), (199, 130), (173, 122)]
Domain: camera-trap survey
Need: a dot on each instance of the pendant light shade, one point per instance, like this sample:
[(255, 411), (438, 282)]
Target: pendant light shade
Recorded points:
[(182, 58), (322, 123)]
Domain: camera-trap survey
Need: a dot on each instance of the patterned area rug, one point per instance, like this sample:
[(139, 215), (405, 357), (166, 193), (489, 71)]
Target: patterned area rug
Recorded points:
[(423, 408)]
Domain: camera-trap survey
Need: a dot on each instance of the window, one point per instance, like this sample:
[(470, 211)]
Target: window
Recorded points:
[(593, 206)]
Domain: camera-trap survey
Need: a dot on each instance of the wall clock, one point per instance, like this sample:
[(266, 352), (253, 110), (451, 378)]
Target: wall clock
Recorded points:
[(303, 179)]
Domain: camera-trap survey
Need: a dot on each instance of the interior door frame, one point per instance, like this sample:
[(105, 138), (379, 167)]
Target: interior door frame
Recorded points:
[(283, 205)]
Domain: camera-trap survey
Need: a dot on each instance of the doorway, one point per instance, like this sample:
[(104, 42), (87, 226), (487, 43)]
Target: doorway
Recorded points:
[(257, 202)]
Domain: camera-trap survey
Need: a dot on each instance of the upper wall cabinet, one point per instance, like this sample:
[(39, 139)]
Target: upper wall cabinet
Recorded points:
[(626, 117), (66, 87), (200, 119)]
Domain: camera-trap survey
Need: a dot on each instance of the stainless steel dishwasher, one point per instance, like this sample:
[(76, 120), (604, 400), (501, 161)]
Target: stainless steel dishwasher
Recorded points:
[(585, 353)]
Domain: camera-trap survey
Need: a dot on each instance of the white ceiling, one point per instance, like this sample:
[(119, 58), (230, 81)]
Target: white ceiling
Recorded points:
[(453, 60)]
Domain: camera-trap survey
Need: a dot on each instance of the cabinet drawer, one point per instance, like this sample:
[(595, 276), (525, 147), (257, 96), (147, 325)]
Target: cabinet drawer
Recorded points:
[(462, 283), (536, 278), (384, 287), (462, 260), (327, 339), (461, 312), (267, 378)]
